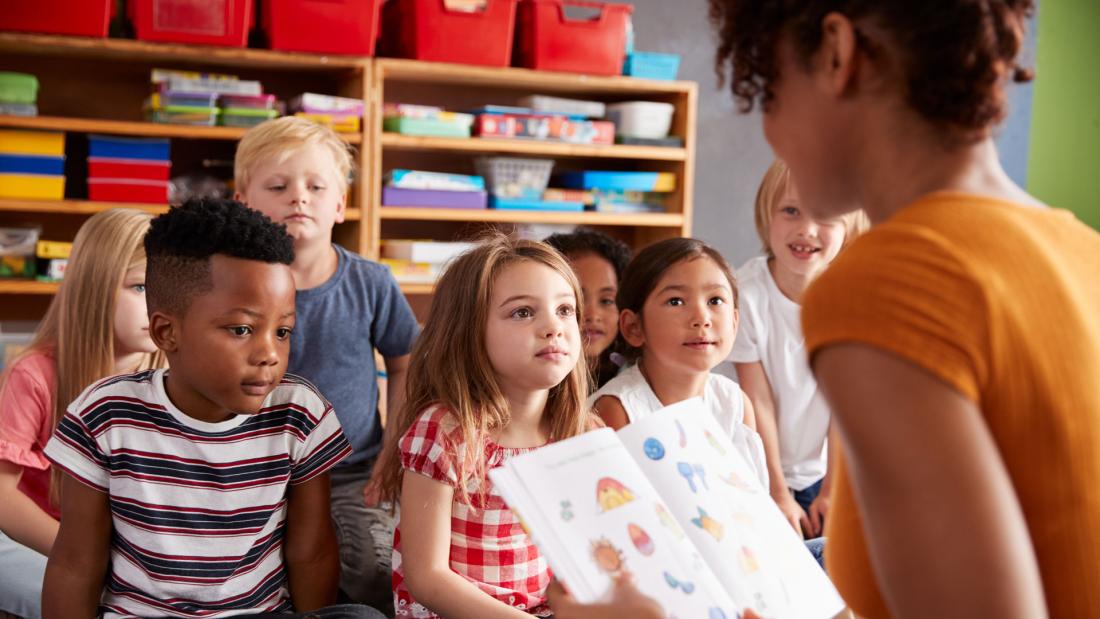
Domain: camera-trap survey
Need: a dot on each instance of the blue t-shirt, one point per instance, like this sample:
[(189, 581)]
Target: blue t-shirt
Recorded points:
[(339, 325)]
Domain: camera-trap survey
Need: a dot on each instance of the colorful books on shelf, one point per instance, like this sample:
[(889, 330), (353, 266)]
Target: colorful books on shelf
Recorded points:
[(190, 98), (32, 164), (517, 122), (669, 500), (419, 261), (425, 120), (343, 114)]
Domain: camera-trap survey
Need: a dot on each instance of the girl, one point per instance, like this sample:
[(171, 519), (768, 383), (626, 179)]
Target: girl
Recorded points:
[(599, 261), (957, 342), (769, 355), (497, 371), (96, 326), (679, 315)]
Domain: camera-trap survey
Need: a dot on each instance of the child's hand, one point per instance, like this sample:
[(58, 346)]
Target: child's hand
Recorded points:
[(626, 601), (794, 514), (819, 509), (372, 492)]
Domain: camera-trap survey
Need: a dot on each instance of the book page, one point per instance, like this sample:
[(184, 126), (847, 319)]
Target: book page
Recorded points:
[(593, 514), (729, 516)]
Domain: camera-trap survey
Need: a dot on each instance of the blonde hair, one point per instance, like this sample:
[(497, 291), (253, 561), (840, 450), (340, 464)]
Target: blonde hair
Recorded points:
[(278, 138), (450, 365), (78, 328), (776, 183)]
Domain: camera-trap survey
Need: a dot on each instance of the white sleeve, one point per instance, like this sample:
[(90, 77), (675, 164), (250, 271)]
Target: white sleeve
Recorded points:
[(747, 345)]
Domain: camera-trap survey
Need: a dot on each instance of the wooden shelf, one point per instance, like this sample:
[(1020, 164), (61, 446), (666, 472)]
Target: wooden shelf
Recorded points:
[(416, 288), (659, 220), (128, 50), (88, 207), (138, 128), (27, 286), (397, 141), (523, 79)]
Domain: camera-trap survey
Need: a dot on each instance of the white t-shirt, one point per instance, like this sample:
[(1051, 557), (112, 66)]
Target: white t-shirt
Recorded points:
[(771, 333), (722, 396)]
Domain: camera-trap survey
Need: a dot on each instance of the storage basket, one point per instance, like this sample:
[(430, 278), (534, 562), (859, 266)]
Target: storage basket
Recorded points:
[(514, 177)]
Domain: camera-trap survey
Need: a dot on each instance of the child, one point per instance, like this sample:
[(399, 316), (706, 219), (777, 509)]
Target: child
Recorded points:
[(769, 355), (496, 373), (96, 326), (201, 490), (296, 172), (599, 261), (679, 315)]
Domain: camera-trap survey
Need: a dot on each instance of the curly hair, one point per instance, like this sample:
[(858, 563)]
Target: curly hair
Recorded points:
[(584, 240), (954, 54), (181, 242)]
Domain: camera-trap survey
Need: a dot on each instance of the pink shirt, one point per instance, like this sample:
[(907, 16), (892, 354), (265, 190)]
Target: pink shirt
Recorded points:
[(26, 424)]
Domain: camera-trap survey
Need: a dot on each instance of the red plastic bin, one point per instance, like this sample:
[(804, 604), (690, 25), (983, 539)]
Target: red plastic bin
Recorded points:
[(548, 40), (88, 18), (205, 22), (138, 169), (127, 190), (428, 30), (323, 26)]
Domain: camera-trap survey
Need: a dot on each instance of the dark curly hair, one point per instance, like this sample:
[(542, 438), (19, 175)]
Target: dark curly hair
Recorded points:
[(954, 54), (585, 240), (180, 243)]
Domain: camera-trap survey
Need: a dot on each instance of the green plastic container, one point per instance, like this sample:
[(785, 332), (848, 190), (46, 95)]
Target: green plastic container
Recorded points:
[(429, 127), (19, 88), (244, 116)]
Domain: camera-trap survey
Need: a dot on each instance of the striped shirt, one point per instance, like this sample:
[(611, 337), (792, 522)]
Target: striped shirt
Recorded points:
[(198, 509)]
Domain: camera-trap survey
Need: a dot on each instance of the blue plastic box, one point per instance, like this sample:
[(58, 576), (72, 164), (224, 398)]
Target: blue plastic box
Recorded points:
[(621, 181), (524, 204), (149, 149), (32, 164), (652, 66)]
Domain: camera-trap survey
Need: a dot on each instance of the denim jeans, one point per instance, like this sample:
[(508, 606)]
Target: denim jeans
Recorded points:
[(805, 498), (339, 611)]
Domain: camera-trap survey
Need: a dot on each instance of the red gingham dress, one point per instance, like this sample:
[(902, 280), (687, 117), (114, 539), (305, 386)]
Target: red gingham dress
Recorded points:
[(488, 546)]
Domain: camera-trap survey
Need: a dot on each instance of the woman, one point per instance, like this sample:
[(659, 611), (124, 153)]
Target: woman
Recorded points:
[(957, 342)]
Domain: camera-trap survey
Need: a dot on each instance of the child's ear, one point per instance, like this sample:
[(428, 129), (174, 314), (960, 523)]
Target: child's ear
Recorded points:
[(239, 197), (630, 326), (342, 207), (164, 331)]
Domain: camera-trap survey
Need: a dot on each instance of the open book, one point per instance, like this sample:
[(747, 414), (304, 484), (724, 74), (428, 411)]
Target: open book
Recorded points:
[(668, 499)]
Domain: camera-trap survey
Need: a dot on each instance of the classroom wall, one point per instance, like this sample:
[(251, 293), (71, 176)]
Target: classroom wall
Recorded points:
[(1064, 169), (732, 154)]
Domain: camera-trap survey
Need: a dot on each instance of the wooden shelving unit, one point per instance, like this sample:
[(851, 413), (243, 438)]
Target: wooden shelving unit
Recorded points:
[(97, 85)]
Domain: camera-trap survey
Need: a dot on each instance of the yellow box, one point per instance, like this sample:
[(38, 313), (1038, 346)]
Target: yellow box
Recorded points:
[(32, 142), (34, 186), (53, 249), (349, 124)]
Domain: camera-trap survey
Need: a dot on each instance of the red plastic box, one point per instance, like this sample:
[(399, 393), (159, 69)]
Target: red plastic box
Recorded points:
[(548, 40), (127, 190), (205, 22), (427, 30), (323, 26), (107, 167), (87, 18)]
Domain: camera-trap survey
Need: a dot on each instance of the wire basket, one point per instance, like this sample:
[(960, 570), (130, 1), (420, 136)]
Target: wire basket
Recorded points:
[(514, 177)]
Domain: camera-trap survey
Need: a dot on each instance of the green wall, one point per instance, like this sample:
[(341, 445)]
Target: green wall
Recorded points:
[(1064, 155)]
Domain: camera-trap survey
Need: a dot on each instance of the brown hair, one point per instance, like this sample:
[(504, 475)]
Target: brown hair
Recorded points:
[(954, 54), (78, 328), (450, 366), (645, 271), (774, 185)]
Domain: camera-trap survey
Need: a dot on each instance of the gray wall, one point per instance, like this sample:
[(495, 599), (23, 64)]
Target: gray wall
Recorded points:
[(732, 154)]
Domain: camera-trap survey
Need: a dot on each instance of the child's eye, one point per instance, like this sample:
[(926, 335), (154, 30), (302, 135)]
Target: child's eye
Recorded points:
[(716, 301), (607, 301), (317, 187), (789, 210), (675, 301), (276, 187), (283, 332), (240, 330), (138, 288), (522, 312), (567, 310)]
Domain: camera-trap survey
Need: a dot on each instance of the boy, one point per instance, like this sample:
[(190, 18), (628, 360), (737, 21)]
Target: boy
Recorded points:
[(296, 172), (201, 490)]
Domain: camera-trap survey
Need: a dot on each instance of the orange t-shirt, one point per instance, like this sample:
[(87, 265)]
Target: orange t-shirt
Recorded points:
[(1002, 302)]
